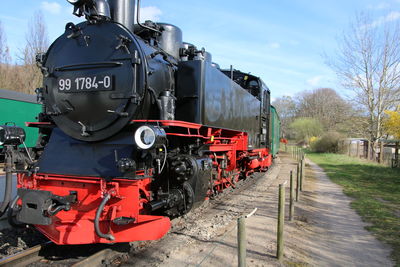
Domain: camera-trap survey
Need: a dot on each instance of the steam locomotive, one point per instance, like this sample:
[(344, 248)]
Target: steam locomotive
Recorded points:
[(136, 127)]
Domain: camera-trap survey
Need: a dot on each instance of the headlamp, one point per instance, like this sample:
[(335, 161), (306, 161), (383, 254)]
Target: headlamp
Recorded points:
[(149, 136), (11, 135)]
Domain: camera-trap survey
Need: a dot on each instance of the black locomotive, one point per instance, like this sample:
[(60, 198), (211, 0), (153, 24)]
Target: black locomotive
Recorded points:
[(136, 125)]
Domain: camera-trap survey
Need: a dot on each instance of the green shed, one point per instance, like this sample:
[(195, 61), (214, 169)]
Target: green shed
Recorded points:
[(20, 108)]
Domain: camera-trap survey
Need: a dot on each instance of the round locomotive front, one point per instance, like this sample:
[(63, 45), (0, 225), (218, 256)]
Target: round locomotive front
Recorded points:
[(94, 79)]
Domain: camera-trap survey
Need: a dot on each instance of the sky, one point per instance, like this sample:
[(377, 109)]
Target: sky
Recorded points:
[(283, 42)]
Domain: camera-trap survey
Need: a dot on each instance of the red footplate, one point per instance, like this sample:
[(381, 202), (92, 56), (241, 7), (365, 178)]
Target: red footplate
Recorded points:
[(83, 232), (122, 216)]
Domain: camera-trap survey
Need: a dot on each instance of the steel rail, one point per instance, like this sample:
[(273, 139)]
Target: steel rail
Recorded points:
[(104, 257), (31, 255), (25, 257)]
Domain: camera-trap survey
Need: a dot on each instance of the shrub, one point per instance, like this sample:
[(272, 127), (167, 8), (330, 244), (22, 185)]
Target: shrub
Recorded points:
[(312, 140), (327, 143), (305, 128), (392, 122)]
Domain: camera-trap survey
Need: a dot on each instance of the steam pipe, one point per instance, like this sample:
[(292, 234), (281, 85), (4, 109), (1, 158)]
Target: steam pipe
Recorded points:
[(10, 214), (99, 210), (138, 19), (8, 188), (156, 204)]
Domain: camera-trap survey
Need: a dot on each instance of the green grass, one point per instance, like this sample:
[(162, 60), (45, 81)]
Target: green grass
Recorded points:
[(376, 193)]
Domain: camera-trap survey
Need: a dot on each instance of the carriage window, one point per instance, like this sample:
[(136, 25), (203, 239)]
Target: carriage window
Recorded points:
[(253, 86)]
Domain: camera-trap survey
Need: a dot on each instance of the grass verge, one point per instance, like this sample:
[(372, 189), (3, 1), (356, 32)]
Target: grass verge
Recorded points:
[(376, 193)]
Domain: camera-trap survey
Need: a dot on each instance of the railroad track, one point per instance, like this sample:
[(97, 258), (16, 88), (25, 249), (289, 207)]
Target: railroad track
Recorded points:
[(25, 257), (245, 184), (41, 255)]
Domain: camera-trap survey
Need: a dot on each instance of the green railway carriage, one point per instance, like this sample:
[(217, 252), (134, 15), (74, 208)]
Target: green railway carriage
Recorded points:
[(20, 108), (275, 131)]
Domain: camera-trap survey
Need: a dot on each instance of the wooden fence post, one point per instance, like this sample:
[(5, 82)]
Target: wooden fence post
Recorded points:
[(381, 152), (301, 175), (358, 149), (241, 236), (297, 182), (281, 220), (349, 148), (291, 200), (303, 171)]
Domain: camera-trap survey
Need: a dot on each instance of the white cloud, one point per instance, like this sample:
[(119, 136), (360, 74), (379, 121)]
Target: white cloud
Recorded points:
[(314, 81), (150, 13), (12, 18), (51, 7), (392, 16), (274, 45), (382, 5)]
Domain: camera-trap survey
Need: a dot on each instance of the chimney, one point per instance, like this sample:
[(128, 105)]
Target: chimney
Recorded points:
[(123, 11)]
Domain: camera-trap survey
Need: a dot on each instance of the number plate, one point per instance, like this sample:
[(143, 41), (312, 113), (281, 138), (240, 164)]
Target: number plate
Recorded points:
[(86, 84)]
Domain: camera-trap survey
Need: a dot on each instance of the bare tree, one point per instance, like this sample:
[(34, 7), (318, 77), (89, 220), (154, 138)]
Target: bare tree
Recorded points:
[(324, 105), (286, 108), (3, 43), (36, 42), (368, 63), (5, 60)]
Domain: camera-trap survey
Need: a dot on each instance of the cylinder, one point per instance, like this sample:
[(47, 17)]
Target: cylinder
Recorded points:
[(170, 39), (155, 205), (253, 164), (123, 11), (208, 57), (103, 8), (184, 48), (215, 65), (167, 103)]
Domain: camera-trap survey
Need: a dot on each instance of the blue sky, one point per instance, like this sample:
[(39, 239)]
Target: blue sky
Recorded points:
[(280, 41)]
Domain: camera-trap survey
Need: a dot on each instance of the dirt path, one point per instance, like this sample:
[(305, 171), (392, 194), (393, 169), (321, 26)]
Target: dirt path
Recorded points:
[(326, 232), (335, 234)]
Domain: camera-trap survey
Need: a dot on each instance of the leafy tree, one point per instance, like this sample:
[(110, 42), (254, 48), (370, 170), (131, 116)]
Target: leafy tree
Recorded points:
[(392, 123), (305, 128)]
